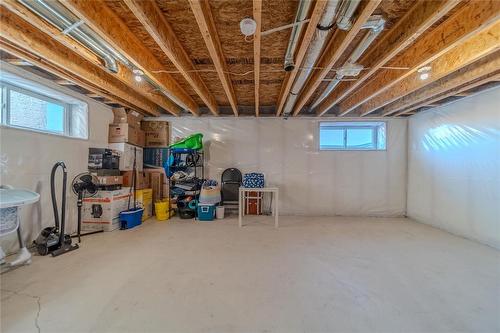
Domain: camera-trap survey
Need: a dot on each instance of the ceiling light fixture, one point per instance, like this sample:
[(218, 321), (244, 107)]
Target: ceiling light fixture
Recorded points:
[(138, 74), (425, 72), (248, 26)]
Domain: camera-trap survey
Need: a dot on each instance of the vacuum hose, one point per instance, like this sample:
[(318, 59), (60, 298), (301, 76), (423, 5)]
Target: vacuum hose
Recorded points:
[(59, 223)]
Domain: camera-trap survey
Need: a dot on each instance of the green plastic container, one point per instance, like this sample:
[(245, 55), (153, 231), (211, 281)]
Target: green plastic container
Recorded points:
[(194, 141)]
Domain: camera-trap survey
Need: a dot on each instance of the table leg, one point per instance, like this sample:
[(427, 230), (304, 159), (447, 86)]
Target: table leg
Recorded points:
[(276, 210), (239, 208)]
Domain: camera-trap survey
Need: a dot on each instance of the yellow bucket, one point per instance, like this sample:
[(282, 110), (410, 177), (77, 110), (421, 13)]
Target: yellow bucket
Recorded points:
[(162, 210)]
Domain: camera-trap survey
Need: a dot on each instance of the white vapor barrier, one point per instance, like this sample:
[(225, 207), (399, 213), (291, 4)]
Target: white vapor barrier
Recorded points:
[(27, 157), (454, 167), (311, 182)]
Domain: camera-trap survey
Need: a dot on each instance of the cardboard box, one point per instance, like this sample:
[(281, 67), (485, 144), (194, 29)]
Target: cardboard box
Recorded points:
[(142, 179), (126, 153), (157, 133), (101, 212), (144, 199), (124, 133), (104, 172), (155, 156), (157, 180), (103, 158), (122, 115), (110, 180)]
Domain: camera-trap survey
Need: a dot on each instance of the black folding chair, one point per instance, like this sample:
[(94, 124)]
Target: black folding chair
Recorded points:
[(231, 181)]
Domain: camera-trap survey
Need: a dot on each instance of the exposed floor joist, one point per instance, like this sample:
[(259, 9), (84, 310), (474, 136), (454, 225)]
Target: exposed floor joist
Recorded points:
[(115, 32), (124, 74), (257, 16), (449, 85), (153, 20), (411, 26), (467, 21), (286, 86), (473, 49), (16, 32), (335, 48), (203, 14)]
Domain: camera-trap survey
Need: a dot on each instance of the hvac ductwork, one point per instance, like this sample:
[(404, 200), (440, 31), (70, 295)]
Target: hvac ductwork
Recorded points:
[(301, 15), (375, 25), (323, 29), (346, 12), (63, 19)]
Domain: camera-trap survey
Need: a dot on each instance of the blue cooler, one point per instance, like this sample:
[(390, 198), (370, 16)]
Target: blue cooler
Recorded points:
[(206, 212)]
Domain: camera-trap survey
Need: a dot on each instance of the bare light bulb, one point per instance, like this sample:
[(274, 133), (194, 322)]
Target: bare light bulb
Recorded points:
[(138, 78), (248, 26), (424, 76)]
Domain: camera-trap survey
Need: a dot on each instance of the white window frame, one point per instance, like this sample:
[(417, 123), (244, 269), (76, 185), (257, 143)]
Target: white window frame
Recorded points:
[(350, 125), (6, 89)]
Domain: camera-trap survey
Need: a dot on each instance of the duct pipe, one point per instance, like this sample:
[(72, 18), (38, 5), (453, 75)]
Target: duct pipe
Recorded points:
[(301, 15), (59, 16), (344, 20), (376, 24), (323, 29)]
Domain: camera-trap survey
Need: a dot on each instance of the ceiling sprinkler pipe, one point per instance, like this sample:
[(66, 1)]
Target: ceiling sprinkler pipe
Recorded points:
[(301, 15), (344, 21), (320, 37)]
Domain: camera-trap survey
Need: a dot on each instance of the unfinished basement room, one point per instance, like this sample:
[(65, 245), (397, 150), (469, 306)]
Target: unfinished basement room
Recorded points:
[(250, 166)]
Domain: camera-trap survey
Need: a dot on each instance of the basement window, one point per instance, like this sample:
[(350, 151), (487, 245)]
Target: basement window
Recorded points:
[(31, 106), (356, 135)]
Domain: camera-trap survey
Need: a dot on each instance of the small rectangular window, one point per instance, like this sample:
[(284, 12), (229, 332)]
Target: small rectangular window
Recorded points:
[(359, 135), (29, 105)]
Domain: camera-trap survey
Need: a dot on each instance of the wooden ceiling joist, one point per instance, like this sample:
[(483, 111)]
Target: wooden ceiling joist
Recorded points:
[(63, 82), (448, 85), (15, 31), (473, 49), (333, 51), (124, 74), (257, 16), (153, 20), (203, 14), (115, 32), (453, 93), (412, 25), (470, 19), (319, 7), (18, 62)]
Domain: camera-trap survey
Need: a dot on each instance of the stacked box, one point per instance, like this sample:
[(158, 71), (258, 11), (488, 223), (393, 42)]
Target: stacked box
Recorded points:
[(155, 156), (101, 212), (126, 153), (157, 133), (144, 199), (141, 179)]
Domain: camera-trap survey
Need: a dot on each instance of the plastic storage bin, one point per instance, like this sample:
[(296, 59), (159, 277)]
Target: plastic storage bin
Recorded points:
[(206, 212), (131, 218)]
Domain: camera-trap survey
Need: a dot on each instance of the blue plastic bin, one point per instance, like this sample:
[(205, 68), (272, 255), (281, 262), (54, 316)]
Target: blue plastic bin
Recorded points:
[(131, 218), (206, 212)]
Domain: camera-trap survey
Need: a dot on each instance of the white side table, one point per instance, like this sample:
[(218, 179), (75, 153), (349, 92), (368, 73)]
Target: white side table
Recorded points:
[(243, 194)]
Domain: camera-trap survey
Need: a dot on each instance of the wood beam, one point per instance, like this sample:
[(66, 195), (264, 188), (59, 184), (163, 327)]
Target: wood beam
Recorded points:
[(203, 14), (411, 26), (476, 47), (18, 62), (153, 20), (450, 84), (257, 16), (473, 17), (318, 10), (333, 51), (93, 95), (18, 33), (124, 74), (65, 82), (115, 32)]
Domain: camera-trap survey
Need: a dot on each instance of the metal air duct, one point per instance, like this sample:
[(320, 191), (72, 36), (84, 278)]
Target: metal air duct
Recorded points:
[(376, 24), (62, 18), (344, 20), (323, 29), (301, 15)]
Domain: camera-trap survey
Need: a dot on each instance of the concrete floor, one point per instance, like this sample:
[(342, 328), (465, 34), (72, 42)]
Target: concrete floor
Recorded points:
[(311, 275)]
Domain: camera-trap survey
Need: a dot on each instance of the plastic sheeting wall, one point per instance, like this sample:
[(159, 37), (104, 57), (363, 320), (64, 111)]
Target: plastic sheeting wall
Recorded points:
[(311, 182), (454, 167), (26, 159)]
